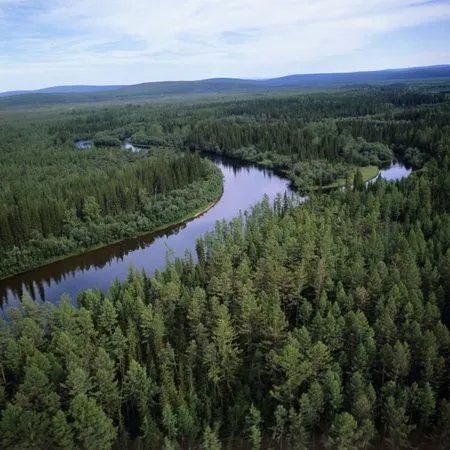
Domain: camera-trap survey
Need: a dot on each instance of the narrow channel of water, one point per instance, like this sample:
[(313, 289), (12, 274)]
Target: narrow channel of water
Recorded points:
[(244, 185)]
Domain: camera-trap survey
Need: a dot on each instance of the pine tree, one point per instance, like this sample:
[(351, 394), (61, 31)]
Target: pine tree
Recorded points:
[(62, 432), (92, 427)]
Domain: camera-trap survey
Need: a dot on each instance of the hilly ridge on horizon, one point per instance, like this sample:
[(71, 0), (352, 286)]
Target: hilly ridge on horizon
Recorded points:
[(161, 89), (65, 89)]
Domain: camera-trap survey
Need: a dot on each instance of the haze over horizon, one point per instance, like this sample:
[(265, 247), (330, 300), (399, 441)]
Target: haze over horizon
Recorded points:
[(48, 43)]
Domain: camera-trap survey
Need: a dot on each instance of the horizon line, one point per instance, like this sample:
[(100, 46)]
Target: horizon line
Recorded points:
[(120, 86)]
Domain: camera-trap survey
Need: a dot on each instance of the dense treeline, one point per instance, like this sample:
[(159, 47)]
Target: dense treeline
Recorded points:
[(326, 127), (319, 325), (57, 200), (78, 234), (359, 127), (326, 322)]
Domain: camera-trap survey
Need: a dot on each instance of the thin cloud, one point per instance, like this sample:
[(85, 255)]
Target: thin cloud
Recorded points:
[(105, 41)]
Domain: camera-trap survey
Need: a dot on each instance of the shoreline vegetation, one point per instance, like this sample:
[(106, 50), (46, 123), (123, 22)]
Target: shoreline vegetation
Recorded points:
[(311, 175), (183, 220), (369, 172), (325, 324), (191, 201)]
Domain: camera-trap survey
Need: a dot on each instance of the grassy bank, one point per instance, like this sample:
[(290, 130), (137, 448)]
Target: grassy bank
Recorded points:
[(368, 173)]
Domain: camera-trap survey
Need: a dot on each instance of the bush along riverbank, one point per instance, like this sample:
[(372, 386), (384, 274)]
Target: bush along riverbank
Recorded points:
[(309, 175), (94, 229)]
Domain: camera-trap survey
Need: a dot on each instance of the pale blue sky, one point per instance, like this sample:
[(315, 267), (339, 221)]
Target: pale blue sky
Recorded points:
[(54, 42)]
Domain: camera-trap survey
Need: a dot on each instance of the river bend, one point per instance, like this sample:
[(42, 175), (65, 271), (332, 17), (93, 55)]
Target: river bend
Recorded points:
[(244, 185)]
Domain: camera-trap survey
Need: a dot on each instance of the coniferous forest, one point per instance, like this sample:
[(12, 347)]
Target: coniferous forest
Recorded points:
[(320, 325), (57, 200)]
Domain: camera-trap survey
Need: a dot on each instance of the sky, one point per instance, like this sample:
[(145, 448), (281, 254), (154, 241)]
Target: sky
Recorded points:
[(63, 42)]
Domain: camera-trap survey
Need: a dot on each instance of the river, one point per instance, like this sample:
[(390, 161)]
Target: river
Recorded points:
[(244, 185)]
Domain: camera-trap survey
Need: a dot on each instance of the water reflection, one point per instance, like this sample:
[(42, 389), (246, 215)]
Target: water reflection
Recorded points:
[(83, 143), (88, 143), (244, 185), (395, 171), (42, 278)]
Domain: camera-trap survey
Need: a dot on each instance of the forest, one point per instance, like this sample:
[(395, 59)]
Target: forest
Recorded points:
[(320, 325), (57, 200)]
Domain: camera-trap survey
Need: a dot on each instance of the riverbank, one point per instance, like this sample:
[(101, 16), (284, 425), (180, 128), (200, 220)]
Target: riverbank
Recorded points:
[(391, 171), (243, 184), (240, 187), (369, 173), (84, 251), (156, 214)]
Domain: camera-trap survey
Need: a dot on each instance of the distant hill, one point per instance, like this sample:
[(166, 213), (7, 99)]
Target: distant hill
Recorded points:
[(217, 86), (64, 90), (392, 75)]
